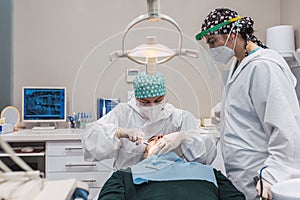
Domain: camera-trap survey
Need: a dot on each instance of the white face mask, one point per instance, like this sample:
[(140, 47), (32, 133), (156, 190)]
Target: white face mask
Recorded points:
[(152, 112), (223, 54)]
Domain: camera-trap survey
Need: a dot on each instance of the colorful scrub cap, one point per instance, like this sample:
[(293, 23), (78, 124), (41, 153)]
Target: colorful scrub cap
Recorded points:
[(224, 20), (148, 86), (219, 16)]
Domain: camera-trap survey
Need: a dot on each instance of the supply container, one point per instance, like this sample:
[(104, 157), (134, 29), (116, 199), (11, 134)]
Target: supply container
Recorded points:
[(286, 190), (6, 128), (281, 39)]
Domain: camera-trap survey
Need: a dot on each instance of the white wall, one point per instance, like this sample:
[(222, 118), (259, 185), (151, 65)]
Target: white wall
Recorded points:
[(289, 10), (67, 42)]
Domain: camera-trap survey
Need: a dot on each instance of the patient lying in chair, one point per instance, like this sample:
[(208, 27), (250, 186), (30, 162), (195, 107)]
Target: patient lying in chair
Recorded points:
[(168, 177)]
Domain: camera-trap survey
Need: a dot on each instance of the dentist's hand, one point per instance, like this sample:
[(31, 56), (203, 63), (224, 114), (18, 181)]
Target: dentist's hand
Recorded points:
[(266, 190), (133, 134), (170, 142)]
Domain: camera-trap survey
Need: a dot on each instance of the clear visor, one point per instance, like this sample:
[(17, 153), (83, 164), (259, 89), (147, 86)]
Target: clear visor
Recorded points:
[(203, 45), (214, 69)]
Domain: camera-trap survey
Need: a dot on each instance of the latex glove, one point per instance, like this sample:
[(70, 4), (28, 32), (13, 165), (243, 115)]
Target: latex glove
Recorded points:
[(170, 142), (133, 134), (267, 194), (215, 114)]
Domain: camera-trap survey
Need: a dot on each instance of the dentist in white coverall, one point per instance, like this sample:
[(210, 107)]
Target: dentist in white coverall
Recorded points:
[(116, 134), (260, 116)]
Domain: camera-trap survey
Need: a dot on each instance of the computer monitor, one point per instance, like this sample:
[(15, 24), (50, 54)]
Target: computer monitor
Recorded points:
[(44, 104)]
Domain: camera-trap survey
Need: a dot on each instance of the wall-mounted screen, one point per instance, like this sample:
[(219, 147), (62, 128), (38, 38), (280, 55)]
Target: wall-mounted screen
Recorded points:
[(44, 104)]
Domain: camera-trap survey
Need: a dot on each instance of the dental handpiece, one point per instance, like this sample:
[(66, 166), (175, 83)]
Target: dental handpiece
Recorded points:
[(142, 142)]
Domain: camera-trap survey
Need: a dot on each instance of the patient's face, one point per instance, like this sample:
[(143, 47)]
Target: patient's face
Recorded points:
[(152, 145)]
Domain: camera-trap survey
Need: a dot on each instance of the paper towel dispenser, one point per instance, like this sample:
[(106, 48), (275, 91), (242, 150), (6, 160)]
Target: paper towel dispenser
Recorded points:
[(281, 39)]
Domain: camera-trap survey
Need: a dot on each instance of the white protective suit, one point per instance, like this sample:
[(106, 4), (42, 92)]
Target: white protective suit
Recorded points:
[(100, 143), (260, 121)]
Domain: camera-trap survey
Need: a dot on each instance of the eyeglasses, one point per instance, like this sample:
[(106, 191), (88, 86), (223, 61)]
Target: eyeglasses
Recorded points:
[(158, 101), (200, 35)]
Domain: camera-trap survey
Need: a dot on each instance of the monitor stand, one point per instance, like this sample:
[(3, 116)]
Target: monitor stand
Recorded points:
[(44, 126)]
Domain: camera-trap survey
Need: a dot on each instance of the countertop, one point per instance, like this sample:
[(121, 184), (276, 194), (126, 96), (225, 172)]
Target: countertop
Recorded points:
[(42, 135), (60, 134)]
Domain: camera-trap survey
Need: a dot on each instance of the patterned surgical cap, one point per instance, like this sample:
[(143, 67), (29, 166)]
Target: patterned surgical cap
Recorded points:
[(244, 26), (218, 16), (148, 86)]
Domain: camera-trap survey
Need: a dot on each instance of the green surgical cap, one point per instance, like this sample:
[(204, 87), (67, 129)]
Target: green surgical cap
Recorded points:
[(148, 86)]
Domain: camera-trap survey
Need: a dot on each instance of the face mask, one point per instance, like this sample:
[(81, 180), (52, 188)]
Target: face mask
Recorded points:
[(151, 112), (222, 54)]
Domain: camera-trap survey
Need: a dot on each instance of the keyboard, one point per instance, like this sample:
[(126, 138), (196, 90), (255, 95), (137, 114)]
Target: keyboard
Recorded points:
[(42, 128)]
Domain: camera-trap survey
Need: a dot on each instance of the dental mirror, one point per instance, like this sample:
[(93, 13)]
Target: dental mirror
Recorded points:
[(11, 115)]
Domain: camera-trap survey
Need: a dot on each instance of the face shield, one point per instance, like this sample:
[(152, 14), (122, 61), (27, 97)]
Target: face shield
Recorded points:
[(215, 46), (205, 43), (221, 53), (200, 35)]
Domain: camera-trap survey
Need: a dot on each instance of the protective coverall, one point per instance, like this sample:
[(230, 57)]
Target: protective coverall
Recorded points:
[(100, 143), (260, 122)]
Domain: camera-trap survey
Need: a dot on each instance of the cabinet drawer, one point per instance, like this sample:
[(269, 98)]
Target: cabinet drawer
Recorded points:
[(77, 163), (93, 179), (64, 148)]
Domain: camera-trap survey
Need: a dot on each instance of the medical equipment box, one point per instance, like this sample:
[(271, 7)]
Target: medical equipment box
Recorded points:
[(6, 128), (104, 105)]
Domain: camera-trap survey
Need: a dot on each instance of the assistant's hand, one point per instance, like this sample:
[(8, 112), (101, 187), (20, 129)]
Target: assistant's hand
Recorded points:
[(170, 142), (266, 194), (215, 114), (133, 134)]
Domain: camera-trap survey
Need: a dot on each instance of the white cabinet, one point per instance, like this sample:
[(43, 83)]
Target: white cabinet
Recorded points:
[(64, 159)]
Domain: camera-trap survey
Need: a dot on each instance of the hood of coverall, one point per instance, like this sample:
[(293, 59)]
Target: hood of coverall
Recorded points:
[(271, 56)]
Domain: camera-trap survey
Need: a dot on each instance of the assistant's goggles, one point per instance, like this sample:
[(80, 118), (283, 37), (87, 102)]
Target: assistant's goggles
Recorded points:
[(163, 101), (200, 35)]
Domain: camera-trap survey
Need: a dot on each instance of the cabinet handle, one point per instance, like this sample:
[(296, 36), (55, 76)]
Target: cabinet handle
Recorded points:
[(73, 148), (81, 165), (89, 180)]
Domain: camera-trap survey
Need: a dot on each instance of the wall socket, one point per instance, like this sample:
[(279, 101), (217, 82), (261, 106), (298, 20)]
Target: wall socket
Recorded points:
[(130, 74)]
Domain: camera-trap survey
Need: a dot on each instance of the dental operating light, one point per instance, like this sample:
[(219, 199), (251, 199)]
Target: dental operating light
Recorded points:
[(151, 49), (152, 52)]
